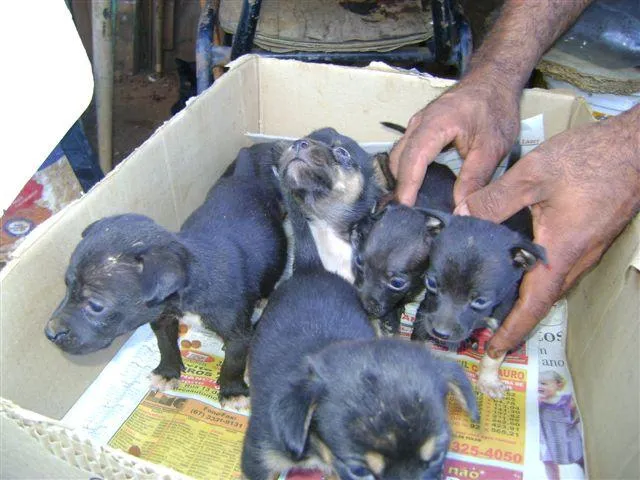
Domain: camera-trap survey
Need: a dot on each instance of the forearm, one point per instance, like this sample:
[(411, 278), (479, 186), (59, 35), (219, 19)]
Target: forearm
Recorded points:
[(628, 128), (523, 32)]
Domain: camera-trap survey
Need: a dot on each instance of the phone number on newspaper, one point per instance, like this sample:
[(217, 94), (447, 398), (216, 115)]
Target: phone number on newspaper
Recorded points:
[(491, 453)]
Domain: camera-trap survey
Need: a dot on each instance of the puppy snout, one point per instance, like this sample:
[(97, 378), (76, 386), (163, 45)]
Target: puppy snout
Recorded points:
[(55, 332), (373, 307), (300, 145)]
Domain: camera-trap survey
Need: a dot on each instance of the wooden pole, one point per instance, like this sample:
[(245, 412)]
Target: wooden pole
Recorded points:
[(101, 22)]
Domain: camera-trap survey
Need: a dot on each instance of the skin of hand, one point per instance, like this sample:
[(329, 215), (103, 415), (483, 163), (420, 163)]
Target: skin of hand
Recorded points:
[(480, 114), (480, 117), (583, 187)]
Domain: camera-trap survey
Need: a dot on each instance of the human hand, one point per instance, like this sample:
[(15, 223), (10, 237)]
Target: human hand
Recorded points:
[(479, 115), (583, 187)]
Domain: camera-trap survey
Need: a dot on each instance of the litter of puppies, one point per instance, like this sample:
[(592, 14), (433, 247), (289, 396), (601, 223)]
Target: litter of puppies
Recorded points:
[(324, 391)]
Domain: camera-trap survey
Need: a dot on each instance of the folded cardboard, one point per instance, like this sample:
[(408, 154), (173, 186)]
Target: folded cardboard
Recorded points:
[(169, 175)]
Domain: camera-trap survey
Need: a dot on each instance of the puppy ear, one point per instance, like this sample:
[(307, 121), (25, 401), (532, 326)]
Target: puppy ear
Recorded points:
[(382, 173), (435, 221), (163, 272), (362, 229), (460, 386), (527, 254), (324, 135), (92, 228), (292, 414)]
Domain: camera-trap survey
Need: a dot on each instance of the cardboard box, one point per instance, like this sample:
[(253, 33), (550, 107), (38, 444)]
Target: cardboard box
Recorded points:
[(168, 176)]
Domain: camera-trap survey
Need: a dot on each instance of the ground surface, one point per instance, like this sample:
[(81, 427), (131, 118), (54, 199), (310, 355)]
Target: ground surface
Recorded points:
[(141, 104)]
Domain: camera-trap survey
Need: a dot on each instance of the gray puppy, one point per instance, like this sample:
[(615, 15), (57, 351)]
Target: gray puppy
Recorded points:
[(391, 247), (475, 270), (333, 180), (326, 394), (127, 270)]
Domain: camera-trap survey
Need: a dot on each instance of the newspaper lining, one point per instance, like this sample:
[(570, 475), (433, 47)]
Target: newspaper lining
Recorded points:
[(533, 433)]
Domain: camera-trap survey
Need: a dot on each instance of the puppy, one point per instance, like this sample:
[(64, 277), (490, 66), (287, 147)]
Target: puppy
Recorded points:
[(475, 270), (333, 180), (391, 247), (325, 394), (127, 270)]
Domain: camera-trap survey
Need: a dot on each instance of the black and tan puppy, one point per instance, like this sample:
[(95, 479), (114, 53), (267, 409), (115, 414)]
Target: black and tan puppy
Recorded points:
[(325, 394), (475, 270), (333, 180), (391, 247), (127, 270)]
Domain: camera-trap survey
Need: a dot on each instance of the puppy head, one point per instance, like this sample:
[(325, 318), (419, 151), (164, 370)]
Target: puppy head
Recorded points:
[(380, 423), (391, 252), (329, 175), (475, 269), (119, 274)]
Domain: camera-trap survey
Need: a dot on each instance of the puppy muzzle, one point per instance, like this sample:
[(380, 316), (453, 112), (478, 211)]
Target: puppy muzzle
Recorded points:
[(373, 307), (59, 333), (56, 331)]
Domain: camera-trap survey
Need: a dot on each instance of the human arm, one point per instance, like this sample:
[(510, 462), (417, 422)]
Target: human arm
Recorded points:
[(481, 113)]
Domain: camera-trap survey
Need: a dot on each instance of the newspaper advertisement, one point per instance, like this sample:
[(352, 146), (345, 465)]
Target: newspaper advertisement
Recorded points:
[(534, 432)]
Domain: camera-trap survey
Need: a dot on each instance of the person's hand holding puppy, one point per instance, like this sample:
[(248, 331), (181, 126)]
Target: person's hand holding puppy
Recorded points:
[(479, 115), (584, 187)]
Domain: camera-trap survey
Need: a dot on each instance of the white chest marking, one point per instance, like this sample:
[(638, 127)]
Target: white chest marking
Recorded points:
[(335, 252)]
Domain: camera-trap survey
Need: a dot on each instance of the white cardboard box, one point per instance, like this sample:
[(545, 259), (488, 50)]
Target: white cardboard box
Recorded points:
[(168, 176)]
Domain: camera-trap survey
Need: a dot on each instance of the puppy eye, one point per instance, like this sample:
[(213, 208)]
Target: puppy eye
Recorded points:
[(94, 306), (358, 260), (398, 283), (341, 154), (360, 472), (480, 303), (431, 284)]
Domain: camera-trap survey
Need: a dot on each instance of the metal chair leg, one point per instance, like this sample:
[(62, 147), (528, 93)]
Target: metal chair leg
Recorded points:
[(246, 30)]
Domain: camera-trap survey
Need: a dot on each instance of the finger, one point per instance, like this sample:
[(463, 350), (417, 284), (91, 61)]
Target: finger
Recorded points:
[(588, 260), (516, 189), (418, 153), (540, 289), (397, 152), (476, 172)]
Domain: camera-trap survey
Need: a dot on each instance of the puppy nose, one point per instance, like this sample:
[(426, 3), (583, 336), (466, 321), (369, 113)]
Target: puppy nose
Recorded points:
[(373, 307), (300, 145), (441, 334), (55, 332)]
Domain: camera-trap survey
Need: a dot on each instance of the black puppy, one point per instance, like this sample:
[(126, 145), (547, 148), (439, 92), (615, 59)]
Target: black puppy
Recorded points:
[(325, 394), (127, 270), (475, 270), (391, 247), (333, 180)]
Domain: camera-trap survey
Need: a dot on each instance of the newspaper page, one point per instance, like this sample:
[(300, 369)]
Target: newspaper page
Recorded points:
[(533, 433)]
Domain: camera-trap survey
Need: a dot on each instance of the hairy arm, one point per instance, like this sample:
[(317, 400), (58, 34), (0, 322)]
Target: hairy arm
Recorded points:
[(481, 113), (523, 32)]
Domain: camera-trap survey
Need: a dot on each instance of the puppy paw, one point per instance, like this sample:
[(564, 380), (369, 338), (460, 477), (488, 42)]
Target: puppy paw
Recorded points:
[(492, 386), (234, 394), (489, 381), (240, 402), (161, 384)]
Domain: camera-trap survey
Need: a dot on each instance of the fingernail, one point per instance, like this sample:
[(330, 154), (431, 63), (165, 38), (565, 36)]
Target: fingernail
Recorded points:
[(462, 209)]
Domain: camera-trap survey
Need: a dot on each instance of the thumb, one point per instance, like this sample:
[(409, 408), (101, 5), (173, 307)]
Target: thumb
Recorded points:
[(476, 172), (503, 197), (540, 289)]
